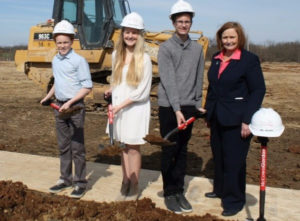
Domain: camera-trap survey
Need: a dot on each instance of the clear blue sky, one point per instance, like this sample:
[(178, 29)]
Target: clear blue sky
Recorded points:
[(263, 20)]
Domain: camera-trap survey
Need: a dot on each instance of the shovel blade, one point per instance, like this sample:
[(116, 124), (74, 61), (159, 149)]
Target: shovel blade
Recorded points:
[(111, 136), (156, 140), (110, 150)]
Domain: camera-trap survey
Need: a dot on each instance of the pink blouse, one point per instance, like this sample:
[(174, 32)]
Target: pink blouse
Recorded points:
[(235, 56)]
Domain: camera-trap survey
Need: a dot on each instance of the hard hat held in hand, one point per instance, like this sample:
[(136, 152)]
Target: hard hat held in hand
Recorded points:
[(133, 20), (266, 123), (181, 6), (64, 27)]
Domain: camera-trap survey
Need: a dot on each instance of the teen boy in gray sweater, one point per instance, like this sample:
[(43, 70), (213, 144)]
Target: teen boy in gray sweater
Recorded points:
[(181, 66)]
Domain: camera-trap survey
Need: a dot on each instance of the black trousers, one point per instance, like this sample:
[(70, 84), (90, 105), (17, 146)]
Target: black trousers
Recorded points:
[(229, 154), (173, 159)]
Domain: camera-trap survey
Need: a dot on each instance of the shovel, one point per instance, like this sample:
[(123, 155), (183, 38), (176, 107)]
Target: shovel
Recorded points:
[(111, 149), (66, 113), (156, 140), (110, 116), (263, 166)]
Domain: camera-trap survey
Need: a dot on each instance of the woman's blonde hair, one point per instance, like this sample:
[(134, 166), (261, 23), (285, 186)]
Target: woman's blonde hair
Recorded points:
[(136, 67)]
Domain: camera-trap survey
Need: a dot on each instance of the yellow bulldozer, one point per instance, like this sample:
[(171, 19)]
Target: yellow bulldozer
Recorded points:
[(97, 25)]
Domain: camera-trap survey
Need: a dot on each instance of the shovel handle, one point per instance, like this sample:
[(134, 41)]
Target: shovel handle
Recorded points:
[(188, 122), (55, 106), (180, 127), (263, 177), (110, 114), (50, 102)]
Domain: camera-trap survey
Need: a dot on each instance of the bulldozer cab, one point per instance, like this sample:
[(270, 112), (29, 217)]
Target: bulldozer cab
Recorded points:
[(95, 20)]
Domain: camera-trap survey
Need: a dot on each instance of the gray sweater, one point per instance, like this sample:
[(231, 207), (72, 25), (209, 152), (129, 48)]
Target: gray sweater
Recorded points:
[(181, 66)]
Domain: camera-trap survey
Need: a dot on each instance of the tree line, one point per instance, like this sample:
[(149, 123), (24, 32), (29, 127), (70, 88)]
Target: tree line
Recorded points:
[(8, 53), (272, 52)]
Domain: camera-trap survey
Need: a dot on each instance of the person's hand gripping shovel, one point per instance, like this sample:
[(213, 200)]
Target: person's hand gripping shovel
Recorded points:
[(165, 141), (112, 149), (64, 114), (110, 115)]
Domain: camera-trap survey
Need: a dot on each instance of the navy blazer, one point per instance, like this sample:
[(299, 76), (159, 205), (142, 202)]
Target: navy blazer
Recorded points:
[(238, 93)]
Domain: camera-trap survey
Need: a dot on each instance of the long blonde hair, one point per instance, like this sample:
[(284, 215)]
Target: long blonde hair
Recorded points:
[(136, 67)]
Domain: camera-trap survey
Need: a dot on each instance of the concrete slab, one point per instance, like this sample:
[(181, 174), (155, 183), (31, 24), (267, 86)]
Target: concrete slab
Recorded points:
[(40, 172)]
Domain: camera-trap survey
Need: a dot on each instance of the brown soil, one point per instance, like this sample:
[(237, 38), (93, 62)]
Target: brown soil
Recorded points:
[(19, 203), (156, 140), (28, 127), (111, 150)]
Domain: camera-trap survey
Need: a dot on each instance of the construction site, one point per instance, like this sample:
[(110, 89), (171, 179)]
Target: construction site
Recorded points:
[(29, 156)]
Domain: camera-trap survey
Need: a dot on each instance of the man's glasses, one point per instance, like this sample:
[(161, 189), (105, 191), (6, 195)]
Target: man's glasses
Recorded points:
[(179, 22)]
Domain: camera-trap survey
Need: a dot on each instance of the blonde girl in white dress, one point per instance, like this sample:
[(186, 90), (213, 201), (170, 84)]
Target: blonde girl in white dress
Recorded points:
[(130, 91)]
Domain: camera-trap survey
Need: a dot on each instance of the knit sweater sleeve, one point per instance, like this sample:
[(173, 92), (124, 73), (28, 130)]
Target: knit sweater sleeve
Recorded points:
[(199, 83), (167, 77)]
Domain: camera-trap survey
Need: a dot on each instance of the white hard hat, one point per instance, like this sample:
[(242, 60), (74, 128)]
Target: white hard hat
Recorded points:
[(266, 123), (64, 27), (133, 20), (181, 6)]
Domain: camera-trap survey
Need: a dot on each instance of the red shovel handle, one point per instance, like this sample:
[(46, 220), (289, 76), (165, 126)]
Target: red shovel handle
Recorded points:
[(263, 167), (180, 127), (110, 114), (55, 106), (263, 177), (188, 122)]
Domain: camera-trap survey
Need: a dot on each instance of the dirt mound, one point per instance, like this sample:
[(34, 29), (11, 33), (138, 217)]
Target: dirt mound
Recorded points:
[(17, 202)]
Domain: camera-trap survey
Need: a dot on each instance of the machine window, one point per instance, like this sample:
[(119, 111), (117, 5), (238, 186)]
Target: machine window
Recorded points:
[(69, 11), (119, 12), (93, 20)]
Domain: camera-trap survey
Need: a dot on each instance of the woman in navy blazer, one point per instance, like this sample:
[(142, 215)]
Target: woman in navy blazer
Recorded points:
[(236, 90)]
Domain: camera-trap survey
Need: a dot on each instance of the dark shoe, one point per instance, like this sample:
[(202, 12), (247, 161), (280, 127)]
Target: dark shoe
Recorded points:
[(123, 191), (172, 204), (211, 195), (60, 186), (230, 212), (78, 192), (133, 192), (184, 204)]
